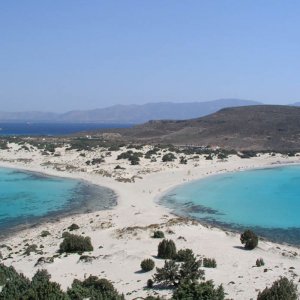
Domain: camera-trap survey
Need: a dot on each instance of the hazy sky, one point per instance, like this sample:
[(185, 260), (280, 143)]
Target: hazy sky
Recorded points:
[(60, 55)]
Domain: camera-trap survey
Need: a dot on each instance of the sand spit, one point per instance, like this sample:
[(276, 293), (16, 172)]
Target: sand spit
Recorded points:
[(122, 236)]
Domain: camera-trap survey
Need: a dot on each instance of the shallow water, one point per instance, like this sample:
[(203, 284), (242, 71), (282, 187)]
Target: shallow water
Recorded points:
[(26, 197), (267, 200)]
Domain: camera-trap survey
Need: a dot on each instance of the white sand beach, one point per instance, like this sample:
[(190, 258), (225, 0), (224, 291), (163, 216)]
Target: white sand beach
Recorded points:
[(122, 236)]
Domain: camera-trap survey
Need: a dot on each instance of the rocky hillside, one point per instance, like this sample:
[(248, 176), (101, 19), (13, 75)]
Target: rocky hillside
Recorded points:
[(261, 127)]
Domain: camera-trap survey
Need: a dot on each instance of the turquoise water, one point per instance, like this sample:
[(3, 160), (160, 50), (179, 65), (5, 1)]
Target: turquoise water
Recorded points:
[(267, 200), (26, 197)]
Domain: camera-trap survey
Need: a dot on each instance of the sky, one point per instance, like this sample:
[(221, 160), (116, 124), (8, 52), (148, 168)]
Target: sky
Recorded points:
[(60, 55)]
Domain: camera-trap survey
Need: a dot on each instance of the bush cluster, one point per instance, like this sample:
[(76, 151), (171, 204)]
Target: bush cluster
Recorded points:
[(147, 265), (133, 157), (280, 289), (260, 262), (168, 157), (31, 248), (166, 249), (199, 291), (151, 152), (17, 287), (93, 288), (95, 161), (73, 243)]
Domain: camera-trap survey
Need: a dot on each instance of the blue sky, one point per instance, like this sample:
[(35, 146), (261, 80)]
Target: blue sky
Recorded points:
[(61, 55)]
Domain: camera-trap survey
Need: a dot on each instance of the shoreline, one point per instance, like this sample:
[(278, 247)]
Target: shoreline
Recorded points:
[(69, 209), (122, 235), (228, 227), (53, 216)]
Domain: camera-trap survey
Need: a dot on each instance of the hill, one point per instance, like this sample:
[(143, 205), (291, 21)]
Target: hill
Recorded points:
[(260, 127), (129, 113)]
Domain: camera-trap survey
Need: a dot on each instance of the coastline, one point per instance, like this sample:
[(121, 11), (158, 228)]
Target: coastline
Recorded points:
[(125, 231), (267, 234), (71, 208)]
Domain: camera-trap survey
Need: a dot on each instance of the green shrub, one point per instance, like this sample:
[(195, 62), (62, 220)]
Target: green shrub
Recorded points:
[(168, 275), (9, 274), (147, 265), (260, 262), (41, 288), (172, 273), (93, 288), (168, 157), (247, 154), (222, 155), (158, 234), (190, 270), (65, 234), (281, 289), (209, 263), (183, 160), (134, 160), (249, 239), (73, 227), (18, 287), (31, 248), (150, 283), (209, 157), (199, 291), (184, 255), (75, 244), (45, 233), (133, 157), (166, 249)]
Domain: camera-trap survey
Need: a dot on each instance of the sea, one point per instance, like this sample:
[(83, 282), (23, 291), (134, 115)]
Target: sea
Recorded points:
[(53, 129), (264, 200), (27, 198)]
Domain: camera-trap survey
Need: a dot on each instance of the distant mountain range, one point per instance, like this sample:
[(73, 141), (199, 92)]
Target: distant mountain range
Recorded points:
[(129, 113), (259, 127)]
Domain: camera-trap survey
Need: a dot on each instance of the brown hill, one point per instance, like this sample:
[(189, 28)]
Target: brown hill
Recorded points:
[(262, 127)]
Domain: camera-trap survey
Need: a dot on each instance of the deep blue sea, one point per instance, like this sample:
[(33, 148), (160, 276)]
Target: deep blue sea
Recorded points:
[(265, 200), (27, 197), (52, 129)]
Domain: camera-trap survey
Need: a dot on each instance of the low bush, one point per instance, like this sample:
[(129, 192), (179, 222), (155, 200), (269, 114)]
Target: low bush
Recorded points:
[(183, 160), (209, 263), (260, 262), (73, 227), (75, 244), (45, 233), (93, 288), (249, 239), (158, 234), (150, 283), (184, 255), (147, 265), (168, 157), (247, 154), (31, 248), (199, 291), (65, 234), (280, 289), (166, 249)]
